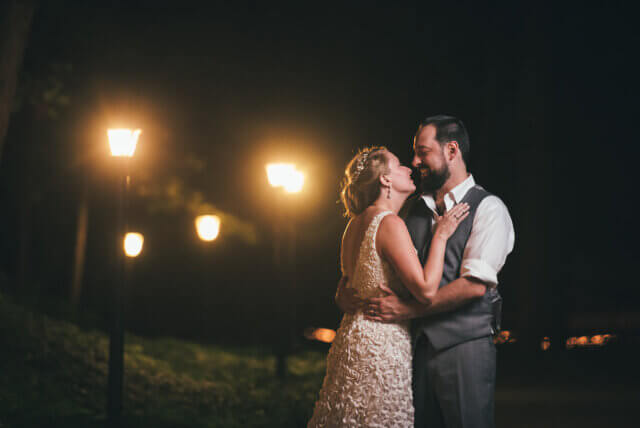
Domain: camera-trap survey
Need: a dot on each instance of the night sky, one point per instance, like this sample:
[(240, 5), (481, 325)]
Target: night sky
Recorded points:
[(548, 94)]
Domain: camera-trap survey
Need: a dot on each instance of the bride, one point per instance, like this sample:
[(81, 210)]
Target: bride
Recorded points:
[(368, 379)]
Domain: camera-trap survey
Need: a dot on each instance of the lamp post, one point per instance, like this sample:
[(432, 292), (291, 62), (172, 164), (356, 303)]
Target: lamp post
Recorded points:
[(291, 180), (122, 143), (208, 229)]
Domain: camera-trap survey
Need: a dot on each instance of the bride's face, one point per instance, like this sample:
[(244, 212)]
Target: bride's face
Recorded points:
[(399, 175)]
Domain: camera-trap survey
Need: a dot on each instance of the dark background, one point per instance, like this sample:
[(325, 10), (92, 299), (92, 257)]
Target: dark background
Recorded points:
[(548, 94)]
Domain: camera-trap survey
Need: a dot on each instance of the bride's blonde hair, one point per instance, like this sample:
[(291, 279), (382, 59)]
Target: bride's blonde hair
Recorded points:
[(361, 182)]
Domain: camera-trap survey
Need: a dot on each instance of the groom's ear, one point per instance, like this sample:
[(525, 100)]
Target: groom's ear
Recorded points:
[(452, 148)]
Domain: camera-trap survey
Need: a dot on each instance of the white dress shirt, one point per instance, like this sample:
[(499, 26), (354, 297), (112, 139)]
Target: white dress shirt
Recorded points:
[(492, 235)]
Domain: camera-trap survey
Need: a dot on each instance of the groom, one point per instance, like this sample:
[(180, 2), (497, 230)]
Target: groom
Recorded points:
[(454, 363)]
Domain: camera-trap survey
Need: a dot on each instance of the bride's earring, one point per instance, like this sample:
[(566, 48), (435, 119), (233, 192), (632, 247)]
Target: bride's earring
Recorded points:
[(389, 192)]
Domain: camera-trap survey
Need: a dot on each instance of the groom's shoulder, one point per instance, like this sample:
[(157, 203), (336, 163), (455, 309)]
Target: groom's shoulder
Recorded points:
[(489, 201), (481, 194), (412, 199)]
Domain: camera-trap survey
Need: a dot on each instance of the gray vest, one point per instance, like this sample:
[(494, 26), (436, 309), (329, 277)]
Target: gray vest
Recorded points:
[(475, 319)]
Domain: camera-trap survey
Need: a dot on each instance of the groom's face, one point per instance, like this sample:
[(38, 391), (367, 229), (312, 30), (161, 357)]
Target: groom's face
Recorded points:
[(429, 160)]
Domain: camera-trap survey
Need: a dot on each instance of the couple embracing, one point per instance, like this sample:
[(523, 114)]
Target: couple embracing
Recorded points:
[(415, 346)]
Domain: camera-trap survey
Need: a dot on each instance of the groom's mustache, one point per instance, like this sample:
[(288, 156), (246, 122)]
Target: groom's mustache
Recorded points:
[(423, 170)]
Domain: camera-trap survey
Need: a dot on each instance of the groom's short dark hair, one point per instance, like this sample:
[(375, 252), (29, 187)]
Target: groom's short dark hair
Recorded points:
[(448, 128)]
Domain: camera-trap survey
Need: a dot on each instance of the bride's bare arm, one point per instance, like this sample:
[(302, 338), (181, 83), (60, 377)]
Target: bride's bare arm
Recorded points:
[(396, 246)]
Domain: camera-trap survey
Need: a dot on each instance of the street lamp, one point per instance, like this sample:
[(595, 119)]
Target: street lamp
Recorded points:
[(286, 176), (122, 143), (208, 227), (133, 243)]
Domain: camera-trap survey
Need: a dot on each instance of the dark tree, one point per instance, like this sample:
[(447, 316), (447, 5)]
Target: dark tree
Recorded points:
[(16, 22)]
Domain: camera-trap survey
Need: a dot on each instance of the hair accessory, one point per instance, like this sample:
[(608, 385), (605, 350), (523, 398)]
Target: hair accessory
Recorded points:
[(360, 166)]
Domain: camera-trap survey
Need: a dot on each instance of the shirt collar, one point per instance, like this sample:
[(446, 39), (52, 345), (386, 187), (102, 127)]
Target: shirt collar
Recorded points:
[(454, 196)]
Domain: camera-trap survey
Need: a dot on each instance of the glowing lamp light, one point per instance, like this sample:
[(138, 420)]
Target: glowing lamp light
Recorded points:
[(582, 340), (505, 336), (133, 244), (208, 227), (545, 344), (278, 173), (295, 182), (325, 335), (123, 141), (285, 175), (594, 341)]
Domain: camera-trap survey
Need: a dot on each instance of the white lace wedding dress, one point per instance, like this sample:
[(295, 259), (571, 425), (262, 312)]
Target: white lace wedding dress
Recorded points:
[(368, 380)]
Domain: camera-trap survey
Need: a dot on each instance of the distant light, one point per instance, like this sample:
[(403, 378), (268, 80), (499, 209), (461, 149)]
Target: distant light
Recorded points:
[(285, 175), (505, 336), (545, 344), (133, 244), (325, 335), (208, 227), (582, 340), (594, 341), (123, 141)]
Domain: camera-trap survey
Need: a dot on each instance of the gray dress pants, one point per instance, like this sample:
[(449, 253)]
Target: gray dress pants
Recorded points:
[(454, 387)]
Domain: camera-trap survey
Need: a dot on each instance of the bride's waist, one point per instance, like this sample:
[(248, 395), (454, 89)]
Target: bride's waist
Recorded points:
[(368, 291), (360, 318)]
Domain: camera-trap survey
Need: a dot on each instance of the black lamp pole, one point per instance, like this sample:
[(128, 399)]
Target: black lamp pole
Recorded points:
[(116, 338)]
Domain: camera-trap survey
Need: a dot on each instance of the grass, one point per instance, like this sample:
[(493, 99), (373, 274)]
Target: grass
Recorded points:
[(53, 373)]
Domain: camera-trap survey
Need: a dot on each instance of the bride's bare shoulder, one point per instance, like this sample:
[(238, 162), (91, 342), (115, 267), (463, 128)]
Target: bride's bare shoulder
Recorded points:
[(391, 227), (391, 221)]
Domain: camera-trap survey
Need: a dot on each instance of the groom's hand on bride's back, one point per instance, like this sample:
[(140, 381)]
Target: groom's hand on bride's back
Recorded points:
[(347, 298)]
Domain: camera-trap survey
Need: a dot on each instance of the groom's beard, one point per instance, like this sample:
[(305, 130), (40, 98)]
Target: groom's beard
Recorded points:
[(434, 179)]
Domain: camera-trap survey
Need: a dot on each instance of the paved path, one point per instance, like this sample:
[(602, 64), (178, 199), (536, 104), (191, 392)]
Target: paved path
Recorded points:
[(566, 406), (585, 390)]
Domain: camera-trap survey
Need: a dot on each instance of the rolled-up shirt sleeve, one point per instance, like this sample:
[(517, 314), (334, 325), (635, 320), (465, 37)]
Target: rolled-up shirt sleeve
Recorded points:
[(490, 242)]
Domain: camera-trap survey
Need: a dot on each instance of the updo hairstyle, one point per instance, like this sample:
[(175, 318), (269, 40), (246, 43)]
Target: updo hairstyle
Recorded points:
[(361, 183)]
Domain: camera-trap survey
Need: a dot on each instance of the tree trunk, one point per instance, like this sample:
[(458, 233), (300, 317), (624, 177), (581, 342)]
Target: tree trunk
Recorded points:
[(24, 242), (14, 32)]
